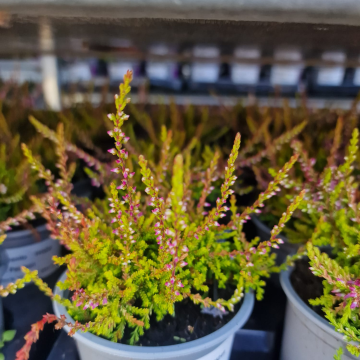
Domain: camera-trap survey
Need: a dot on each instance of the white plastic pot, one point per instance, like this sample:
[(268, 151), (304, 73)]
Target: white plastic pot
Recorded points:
[(23, 248), (307, 336), (287, 248), (215, 346)]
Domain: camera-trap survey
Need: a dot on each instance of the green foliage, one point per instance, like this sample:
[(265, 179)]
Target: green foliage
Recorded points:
[(16, 181), (7, 336), (137, 254)]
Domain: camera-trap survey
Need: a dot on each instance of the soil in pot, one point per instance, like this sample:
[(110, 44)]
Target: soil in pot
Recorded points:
[(188, 324), (306, 284)]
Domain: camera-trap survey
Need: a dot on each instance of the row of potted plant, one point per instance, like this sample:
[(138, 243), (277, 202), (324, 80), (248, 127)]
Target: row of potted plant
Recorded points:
[(134, 259)]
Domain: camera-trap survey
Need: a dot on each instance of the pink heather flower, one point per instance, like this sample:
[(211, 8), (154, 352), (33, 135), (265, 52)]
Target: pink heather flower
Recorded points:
[(155, 211), (176, 259), (280, 241), (350, 295), (172, 279), (185, 248), (169, 232), (177, 293), (196, 236), (110, 133), (257, 211), (157, 232), (204, 213), (167, 284), (222, 215), (172, 251), (147, 190), (157, 224), (113, 220), (207, 204), (131, 174), (126, 139), (216, 223), (116, 232), (276, 246), (183, 263), (169, 266), (86, 306), (180, 284), (354, 305), (79, 303), (115, 170), (159, 238), (95, 305), (206, 228), (112, 151)]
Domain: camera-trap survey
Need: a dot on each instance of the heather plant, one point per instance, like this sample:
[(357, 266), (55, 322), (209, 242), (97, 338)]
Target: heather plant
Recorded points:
[(308, 174), (126, 264), (333, 207), (16, 180)]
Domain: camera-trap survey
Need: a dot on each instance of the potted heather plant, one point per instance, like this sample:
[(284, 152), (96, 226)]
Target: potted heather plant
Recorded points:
[(308, 170), (147, 277), (323, 316), (26, 242)]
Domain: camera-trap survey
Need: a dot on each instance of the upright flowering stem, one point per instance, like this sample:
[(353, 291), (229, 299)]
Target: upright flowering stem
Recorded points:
[(273, 187), (229, 179), (121, 153), (209, 178)]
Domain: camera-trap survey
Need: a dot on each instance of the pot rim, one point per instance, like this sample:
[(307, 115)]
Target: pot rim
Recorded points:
[(20, 233), (263, 227), (301, 306), (161, 352)]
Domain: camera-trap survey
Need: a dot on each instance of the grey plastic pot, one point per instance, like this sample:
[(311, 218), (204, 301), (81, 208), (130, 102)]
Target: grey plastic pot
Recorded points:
[(216, 346), (24, 248), (306, 334), (287, 248)]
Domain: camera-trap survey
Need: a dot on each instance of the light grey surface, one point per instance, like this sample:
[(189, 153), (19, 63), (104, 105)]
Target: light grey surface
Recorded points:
[(93, 345), (346, 12), (306, 334)]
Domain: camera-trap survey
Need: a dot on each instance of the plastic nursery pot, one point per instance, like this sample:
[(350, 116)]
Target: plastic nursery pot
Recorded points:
[(215, 346), (263, 231), (83, 188), (306, 334), (33, 250)]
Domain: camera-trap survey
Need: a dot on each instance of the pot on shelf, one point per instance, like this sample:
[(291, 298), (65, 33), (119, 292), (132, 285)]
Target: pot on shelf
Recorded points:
[(33, 249), (215, 346), (306, 334)]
